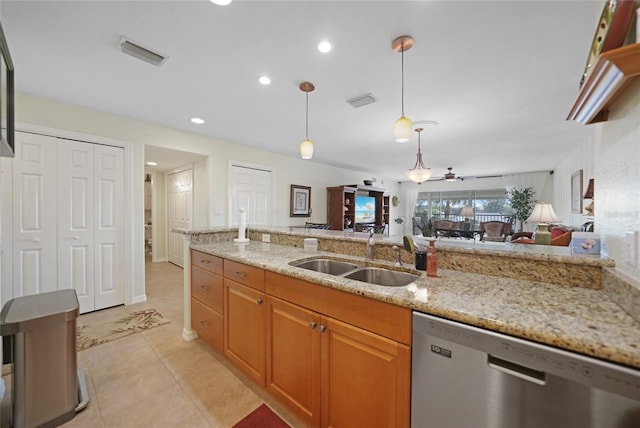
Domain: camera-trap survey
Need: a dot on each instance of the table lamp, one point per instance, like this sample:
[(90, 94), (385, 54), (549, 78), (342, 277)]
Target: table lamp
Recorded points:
[(467, 213), (543, 214)]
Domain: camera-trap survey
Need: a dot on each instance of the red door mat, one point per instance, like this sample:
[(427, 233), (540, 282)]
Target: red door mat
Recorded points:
[(262, 417)]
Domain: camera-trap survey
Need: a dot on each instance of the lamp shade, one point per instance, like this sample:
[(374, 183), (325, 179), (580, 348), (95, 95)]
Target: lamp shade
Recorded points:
[(466, 212), (418, 175), (402, 129), (589, 193), (306, 149), (543, 213)]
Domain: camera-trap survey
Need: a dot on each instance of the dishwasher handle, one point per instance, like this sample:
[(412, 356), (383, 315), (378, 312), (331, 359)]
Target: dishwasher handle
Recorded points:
[(517, 370)]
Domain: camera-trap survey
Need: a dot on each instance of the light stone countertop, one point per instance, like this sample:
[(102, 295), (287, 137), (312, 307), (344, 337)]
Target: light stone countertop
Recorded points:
[(573, 318)]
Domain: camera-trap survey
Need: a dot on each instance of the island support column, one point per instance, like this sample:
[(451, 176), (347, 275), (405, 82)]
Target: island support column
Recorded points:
[(187, 332)]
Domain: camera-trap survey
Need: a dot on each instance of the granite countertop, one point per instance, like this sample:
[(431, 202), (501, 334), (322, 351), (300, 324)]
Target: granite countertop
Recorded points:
[(573, 318)]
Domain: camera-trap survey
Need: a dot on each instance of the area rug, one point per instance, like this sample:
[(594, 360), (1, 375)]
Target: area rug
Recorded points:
[(103, 332), (262, 417)]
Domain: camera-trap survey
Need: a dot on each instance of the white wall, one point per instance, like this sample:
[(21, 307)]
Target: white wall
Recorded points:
[(617, 177), (287, 170)]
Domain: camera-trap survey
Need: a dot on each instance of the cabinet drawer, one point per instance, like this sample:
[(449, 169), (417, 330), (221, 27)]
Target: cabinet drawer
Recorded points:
[(207, 288), (244, 274), (206, 261), (208, 325)]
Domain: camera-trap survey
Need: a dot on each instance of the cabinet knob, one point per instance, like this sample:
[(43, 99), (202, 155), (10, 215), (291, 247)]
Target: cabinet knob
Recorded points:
[(312, 324), (205, 288), (259, 301), (322, 328)]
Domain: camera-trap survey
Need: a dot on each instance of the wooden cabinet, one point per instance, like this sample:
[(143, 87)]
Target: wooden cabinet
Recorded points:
[(207, 298), (341, 207), (364, 375), (333, 358), (244, 319), (293, 358)]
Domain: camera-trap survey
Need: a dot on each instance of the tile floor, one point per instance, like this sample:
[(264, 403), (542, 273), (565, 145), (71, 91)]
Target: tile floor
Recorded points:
[(156, 379)]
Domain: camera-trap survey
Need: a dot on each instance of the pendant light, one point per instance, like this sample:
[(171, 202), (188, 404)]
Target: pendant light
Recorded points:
[(403, 126), (306, 147), (419, 173)]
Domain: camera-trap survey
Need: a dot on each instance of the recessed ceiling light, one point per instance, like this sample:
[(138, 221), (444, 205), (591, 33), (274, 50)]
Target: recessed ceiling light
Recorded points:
[(151, 163), (324, 46), (264, 80), (221, 2), (197, 120)]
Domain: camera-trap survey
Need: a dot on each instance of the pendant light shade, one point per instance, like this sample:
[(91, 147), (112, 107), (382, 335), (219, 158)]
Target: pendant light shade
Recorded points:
[(403, 126), (419, 173), (306, 147)]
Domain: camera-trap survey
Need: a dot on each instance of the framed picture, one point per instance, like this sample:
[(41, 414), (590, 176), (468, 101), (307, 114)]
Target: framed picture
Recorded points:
[(300, 201), (576, 192)]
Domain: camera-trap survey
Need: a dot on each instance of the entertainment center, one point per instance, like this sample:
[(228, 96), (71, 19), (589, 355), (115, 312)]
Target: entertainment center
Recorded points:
[(355, 207)]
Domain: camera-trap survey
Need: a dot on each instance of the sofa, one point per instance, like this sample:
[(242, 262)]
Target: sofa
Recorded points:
[(560, 236)]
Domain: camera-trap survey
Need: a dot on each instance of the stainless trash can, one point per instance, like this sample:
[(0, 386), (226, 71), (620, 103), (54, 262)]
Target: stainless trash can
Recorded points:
[(42, 328)]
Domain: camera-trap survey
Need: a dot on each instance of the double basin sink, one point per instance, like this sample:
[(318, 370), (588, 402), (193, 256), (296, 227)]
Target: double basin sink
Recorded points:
[(369, 274)]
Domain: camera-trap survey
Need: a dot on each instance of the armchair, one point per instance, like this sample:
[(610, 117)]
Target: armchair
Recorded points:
[(495, 231)]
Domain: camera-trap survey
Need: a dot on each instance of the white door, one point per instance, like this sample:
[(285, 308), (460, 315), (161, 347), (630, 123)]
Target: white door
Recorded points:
[(76, 217), (109, 226), (179, 211), (250, 188), (35, 243)]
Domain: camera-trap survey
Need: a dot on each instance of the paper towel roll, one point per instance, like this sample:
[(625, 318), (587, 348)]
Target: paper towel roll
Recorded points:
[(242, 225)]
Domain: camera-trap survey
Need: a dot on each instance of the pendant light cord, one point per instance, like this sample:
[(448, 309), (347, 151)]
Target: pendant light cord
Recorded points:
[(307, 117), (402, 70)]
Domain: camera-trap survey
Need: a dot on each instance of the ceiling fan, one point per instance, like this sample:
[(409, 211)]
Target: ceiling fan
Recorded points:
[(450, 176)]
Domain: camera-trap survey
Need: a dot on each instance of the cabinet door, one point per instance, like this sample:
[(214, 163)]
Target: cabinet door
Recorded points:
[(207, 323), (293, 358), (244, 329), (365, 378)]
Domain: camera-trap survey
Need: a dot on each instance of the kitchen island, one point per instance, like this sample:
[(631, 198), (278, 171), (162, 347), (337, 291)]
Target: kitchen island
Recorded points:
[(582, 316)]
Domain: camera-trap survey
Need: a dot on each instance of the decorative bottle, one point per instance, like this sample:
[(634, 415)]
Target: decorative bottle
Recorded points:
[(432, 259)]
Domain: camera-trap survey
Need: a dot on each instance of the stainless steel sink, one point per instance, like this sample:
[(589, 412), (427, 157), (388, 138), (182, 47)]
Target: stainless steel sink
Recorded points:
[(333, 267), (380, 276)]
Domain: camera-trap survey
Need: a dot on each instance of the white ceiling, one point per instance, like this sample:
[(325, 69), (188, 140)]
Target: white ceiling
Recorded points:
[(498, 76)]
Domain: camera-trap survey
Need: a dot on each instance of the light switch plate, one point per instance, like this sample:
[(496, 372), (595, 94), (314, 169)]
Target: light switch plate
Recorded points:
[(631, 244)]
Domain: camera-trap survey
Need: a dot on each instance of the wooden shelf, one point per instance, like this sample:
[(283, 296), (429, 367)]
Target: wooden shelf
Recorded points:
[(612, 72)]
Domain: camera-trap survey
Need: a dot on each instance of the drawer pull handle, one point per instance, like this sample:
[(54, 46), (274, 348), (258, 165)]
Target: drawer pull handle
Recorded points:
[(322, 328), (205, 288), (205, 324), (242, 274), (205, 262), (312, 324), (259, 301)]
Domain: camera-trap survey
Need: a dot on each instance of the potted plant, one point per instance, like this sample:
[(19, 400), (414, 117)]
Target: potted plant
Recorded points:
[(427, 228), (522, 203)]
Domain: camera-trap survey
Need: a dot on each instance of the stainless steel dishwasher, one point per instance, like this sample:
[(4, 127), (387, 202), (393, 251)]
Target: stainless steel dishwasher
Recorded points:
[(464, 376)]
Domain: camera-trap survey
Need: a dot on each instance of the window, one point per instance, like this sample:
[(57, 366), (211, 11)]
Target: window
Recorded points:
[(492, 204)]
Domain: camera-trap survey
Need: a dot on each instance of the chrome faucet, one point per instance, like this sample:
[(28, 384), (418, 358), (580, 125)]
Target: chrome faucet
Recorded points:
[(396, 254), (371, 244)]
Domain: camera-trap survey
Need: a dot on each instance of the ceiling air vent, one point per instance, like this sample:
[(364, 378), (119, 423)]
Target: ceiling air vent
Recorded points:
[(145, 54), (362, 100)]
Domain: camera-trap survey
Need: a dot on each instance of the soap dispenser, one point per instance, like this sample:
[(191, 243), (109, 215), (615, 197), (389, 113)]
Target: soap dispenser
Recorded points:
[(432, 259)]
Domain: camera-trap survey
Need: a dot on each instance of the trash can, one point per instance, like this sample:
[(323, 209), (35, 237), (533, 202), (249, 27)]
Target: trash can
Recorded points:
[(42, 329)]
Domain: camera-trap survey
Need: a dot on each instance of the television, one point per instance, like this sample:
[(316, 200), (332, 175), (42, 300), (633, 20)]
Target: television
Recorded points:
[(365, 209), (7, 144)]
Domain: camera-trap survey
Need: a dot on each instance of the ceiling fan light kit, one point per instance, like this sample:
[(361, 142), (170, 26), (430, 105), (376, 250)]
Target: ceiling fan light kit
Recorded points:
[(450, 176)]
